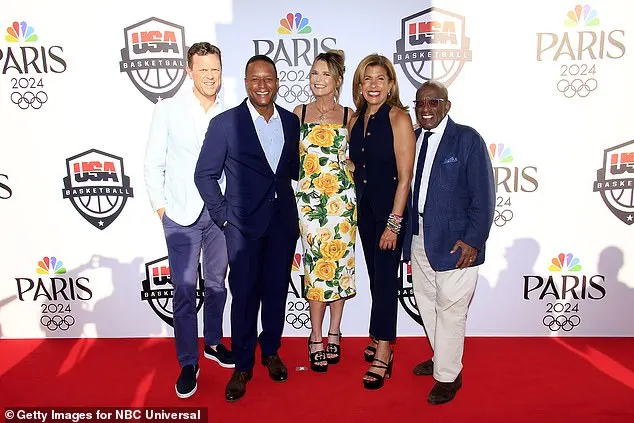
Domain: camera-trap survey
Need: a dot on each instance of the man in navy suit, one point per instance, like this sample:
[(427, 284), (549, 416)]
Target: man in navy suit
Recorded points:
[(256, 145), (453, 198)]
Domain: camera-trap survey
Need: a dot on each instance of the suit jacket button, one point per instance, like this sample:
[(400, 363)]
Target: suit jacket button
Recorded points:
[(365, 181)]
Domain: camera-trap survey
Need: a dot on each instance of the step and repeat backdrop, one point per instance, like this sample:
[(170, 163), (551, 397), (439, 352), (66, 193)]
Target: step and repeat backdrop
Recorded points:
[(547, 83)]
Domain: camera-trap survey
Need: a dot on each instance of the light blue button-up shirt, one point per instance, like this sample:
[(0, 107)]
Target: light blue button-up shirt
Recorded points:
[(271, 135)]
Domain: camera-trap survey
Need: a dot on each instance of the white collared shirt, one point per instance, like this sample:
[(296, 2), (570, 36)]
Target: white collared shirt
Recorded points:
[(270, 134), (432, 147), (177, 132)]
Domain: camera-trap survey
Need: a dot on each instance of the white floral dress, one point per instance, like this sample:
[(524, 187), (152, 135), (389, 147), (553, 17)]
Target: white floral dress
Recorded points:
[(327, 208)]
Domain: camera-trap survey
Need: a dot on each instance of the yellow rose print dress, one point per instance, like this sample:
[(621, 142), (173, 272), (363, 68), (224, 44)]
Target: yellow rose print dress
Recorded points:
[(326, 203)]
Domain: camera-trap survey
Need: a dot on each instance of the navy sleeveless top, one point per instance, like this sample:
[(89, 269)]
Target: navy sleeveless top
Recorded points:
[(375, 171)]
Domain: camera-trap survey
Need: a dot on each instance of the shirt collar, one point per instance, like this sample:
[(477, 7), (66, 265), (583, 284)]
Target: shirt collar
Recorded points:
[(437, 131), (195, 103), (255, 115)]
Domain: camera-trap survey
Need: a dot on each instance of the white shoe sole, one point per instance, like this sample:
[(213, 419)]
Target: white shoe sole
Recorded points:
[(188, 394), (214, 358)]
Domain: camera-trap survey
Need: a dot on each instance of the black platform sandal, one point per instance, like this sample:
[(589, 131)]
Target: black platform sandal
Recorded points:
[(317, 357), (378, 379), (333, 349)]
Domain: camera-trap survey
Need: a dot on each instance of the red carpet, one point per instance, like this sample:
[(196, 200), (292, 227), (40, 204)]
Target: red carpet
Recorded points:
[(505, 380)]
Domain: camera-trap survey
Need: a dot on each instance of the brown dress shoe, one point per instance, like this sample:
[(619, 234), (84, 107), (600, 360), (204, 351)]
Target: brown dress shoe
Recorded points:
[(237, 385), (277, 369), (443, 392), (426, 368)]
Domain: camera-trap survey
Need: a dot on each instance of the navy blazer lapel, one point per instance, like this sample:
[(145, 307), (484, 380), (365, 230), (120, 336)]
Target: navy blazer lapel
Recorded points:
[(250, 136), (445, 145)]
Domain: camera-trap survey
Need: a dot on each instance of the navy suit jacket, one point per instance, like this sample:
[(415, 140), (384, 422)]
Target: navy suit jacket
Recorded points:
[(232, 145), (460, 198)]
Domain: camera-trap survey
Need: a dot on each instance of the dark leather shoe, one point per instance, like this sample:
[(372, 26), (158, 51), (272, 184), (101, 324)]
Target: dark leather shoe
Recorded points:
[(237, 385), (443, 392), (426, 368), (277, 369)]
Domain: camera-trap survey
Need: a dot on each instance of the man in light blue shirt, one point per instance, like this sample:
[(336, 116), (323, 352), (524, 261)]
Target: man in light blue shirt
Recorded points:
[(176, 135)]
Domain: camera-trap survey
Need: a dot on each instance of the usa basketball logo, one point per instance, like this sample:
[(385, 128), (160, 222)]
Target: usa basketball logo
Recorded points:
[(97, 186), (154, 57), (433, 45), (158, 290), (406, 292), (615, 181)]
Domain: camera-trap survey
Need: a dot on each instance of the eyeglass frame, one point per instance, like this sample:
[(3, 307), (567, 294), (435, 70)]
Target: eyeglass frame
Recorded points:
[(437, 99)]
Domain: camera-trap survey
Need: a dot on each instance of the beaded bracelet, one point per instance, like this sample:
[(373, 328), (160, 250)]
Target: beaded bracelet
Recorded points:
[(394, 223)]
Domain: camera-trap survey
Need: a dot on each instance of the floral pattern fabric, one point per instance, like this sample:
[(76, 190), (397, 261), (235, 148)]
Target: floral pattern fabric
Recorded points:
[(327, 213)]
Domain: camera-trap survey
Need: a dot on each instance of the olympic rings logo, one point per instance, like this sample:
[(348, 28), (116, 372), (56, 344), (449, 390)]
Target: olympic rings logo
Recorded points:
[(57, 322), (294, 93), (299, 320), (28, 99), (577, 87), (502, 218), (561, 322)]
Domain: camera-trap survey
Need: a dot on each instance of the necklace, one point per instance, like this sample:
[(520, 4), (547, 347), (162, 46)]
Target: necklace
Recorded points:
[(322, 114)]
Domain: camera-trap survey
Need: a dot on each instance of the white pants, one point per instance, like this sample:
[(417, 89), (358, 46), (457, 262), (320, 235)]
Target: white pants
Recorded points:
[(443, 300)]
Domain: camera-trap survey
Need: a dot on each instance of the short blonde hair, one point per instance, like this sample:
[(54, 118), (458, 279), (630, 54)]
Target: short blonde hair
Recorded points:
[(375, 59)]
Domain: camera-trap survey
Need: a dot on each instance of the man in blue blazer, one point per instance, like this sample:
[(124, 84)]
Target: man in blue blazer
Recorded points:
[(256, 145), (452, 203)]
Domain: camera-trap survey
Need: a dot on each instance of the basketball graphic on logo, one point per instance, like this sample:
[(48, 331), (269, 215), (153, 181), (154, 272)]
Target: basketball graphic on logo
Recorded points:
[(158, 289), (433, 45), (155, 57), (97, 186)]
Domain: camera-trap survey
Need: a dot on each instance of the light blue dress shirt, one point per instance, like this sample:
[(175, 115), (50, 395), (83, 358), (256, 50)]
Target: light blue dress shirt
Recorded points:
[(271, 135)]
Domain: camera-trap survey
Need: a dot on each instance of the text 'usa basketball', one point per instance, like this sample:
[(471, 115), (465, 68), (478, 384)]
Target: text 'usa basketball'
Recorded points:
[(433, 45), (154, 57), (97, 186)]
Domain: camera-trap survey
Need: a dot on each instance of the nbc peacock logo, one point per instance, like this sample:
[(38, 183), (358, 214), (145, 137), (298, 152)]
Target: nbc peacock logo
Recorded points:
[(585, 45), (294, 24), (50, 266), (23, 56), (433, 45), (20, 33), (564, 290), (293, 52), (582, 16), (510, 179)]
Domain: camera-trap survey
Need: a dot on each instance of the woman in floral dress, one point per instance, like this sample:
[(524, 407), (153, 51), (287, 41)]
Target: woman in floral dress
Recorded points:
[(327, 207)]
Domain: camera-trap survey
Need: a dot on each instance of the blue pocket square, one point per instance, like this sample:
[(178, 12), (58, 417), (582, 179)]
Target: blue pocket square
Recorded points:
[(451, 159)]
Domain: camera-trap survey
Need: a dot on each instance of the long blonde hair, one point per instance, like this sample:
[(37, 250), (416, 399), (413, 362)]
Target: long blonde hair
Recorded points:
[(375, 59)]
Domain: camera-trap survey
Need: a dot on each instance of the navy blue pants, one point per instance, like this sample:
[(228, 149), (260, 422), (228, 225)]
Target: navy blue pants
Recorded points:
[(259, 273), (383, 268), (184, 245)]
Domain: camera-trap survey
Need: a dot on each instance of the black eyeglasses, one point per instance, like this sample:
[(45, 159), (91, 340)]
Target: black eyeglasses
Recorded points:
[(432, 102)]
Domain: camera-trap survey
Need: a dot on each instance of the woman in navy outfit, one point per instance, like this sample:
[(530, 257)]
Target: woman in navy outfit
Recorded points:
[(382, 148)]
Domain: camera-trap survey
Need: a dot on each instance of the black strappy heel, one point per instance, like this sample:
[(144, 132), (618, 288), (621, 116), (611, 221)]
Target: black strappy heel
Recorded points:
[(378, 379), (334, 349), (317, 357)]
